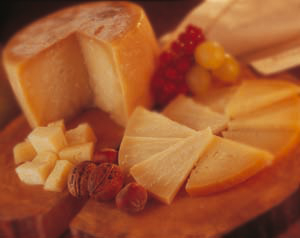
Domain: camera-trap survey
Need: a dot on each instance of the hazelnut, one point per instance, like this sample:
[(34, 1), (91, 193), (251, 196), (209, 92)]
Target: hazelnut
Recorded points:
[(78, 178), (105, 182), (106, 155), (132, 198)]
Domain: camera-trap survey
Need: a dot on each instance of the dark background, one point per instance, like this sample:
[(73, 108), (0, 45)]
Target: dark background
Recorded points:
[(164, 15)]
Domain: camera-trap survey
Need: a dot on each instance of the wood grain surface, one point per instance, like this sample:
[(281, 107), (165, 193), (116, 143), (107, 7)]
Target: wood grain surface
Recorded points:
[(29, 211)]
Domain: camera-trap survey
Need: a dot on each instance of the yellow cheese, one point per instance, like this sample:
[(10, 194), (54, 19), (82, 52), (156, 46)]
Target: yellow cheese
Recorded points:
[(225, 164), (59, 123), (186, 111), (281, 115), (77, 153), (164, 173), (145, 123), (57, 180), (277, 142), (37, 171), (137, 149), (255, 94), (23, 152), (47, 139), (81, 134), (81, 56)]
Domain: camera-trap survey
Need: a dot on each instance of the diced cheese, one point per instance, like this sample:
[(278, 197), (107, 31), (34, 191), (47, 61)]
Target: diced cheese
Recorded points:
[(57, 180), (47, 139), (255, 94), (23, 152), (82, 56), (81, 134), (145, 123), (277, 142), (137, 149), (164, 173), (281, 115), (37, 170), (225, 164), (77, 153), (186, 111), (59, 123)]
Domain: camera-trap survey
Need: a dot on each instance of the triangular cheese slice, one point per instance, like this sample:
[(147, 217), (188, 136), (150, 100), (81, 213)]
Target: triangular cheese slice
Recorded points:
[(217, 98), (145, 123), (164, 173), (186, 111), (255, 94), (282, 115), (278, 142), (225, 164), (137, 149)]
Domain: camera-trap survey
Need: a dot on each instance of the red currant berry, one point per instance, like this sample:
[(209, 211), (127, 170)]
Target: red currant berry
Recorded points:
[(171, 73), (183, 64), (176, 47), (165, 58)]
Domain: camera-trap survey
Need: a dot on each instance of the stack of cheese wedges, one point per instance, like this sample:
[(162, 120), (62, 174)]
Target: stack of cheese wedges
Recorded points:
[(161, 154), (48, 154)]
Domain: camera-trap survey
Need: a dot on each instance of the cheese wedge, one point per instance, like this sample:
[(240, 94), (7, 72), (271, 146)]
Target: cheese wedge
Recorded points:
[(186, 111), (217, 98), (83, 133), (81, 56), (77, 153), (58, 123), (255, 94), (145, 123), (23, 152), (277, 142), (225, 164), (57, 180), (281, 115), (164, 173), (137, 149)]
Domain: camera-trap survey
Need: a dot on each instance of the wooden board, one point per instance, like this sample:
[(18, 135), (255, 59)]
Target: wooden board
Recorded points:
[(209, 216), (29, 211)]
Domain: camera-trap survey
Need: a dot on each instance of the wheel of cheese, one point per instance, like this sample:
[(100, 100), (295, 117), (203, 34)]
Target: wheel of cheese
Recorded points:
[(94, 54)]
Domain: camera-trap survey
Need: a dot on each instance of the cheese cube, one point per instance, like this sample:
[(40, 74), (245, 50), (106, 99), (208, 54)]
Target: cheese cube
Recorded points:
[(77, 153), (47, 139), (57, 180), (37, 171), (59, 123), (23, 152), (81, 134)]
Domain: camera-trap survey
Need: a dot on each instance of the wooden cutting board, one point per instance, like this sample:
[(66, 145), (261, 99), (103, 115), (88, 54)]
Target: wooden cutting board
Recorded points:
[(210, 216), (29, 211)]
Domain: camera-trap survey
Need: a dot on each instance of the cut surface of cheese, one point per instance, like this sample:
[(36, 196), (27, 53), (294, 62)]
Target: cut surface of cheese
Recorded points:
[(145, 123), (57, 179), (81, 56), (281, 115), (277, 142), (23, 152), (83, 133), (77, 153), (255, 94), (58, 123), (186, 111), (137, 149), (164, 173), (37, 171), (225, 164), (217, 98)]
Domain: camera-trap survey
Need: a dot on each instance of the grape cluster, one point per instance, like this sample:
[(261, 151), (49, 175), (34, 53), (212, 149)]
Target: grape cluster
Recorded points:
[(169, 78)]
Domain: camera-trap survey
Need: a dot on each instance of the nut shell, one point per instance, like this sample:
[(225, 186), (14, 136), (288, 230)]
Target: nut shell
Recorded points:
[(78, 178), (105, 182)]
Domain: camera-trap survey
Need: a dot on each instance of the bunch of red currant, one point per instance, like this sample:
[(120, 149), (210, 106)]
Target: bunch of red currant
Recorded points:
[(189, 65)]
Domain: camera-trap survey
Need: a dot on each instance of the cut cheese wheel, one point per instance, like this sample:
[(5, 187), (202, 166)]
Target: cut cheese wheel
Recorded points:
[(225, 164), (81, 56), (194, 115), (164, 173), (145, 123), (282, 115), (217, 98), (255, 94), (278, 142), (137, 149)]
